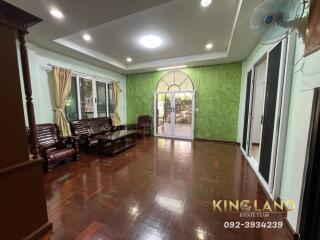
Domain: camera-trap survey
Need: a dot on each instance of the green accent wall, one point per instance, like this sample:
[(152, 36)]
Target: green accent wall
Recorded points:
[(217, 90)]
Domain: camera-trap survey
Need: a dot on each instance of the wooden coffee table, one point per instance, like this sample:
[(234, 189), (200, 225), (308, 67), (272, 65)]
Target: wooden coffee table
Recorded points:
[(116, 142)]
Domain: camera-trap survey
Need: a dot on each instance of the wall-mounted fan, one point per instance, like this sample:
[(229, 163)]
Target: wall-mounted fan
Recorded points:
[(274, 19)]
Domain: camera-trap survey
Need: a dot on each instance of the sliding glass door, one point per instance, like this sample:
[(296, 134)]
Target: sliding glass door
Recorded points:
[(270, 111), (86, 98), (71, 108), (245, 139), (174, 114), (262, 113), (258, 85), (101, 88), (89, 98)]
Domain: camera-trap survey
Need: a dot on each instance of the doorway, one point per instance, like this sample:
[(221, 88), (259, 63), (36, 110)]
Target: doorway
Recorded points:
[(310, 217), (174, 104), (259, 84), (262, 113), (174, 114)]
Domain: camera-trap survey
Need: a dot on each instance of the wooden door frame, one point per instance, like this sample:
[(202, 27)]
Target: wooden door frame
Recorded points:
[(311, 193)]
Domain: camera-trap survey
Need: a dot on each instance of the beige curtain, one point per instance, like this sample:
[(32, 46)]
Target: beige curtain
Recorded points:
[(115, 98), (62, 87)]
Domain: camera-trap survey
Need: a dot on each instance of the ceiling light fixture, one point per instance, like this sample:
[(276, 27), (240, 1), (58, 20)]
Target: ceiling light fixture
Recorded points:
[(209, 46), (129, 59), (206, 3), (56, 13), (170, 68), (87, 37), (151, 41)]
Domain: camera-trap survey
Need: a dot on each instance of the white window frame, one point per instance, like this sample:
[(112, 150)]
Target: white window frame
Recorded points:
[(94, 93)]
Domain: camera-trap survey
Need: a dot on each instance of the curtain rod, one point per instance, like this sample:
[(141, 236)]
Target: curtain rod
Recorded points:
[(50, 65)]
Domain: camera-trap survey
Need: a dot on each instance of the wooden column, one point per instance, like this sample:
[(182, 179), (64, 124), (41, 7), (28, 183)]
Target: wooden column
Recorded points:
[(23, 210), (28, 92)]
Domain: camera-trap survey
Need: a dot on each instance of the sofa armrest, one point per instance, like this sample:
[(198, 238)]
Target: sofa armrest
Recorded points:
[(43, 151), (72, 140)]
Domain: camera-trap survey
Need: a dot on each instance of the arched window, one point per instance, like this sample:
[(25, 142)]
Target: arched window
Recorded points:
[(175, 81)]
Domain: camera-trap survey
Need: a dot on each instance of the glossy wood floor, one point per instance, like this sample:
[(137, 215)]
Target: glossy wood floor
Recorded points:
[(159, 189)]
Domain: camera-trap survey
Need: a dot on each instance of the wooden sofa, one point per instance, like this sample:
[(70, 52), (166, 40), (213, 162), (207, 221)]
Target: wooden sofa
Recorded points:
[(91, 130), (54, 148), (99, 133)]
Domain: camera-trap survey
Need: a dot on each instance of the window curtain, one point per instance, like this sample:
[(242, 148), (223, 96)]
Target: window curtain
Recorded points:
[(115, 99), (62, 87)]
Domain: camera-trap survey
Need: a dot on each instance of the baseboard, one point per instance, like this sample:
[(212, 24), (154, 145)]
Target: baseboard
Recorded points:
[(218, 141), (261, 181), (40, 232), (295, 236)]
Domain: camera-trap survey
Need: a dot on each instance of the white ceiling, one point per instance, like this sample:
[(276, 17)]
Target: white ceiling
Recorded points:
[(117, 25)]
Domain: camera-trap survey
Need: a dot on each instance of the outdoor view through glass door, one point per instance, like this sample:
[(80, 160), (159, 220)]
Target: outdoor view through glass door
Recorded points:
[(183, 112), (174, 106), (163, 114), (174, 114)]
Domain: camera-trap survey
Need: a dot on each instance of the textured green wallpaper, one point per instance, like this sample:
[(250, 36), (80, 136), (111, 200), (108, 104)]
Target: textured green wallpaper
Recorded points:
[(217, 90)]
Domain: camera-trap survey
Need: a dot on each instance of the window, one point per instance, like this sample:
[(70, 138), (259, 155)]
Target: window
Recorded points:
[(89, 98), (71, 109), (86, 98), (101, 99), (110, 100), (175, 81)]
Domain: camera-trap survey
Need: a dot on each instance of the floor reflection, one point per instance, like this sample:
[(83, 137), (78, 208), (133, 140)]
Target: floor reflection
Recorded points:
[(159, 189), (171, 204)]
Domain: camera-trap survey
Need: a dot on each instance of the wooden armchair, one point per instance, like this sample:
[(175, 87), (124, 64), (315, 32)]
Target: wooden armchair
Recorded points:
[(144, 125), (53, 148)]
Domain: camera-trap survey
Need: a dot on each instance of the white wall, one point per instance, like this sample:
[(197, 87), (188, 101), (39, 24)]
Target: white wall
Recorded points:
[(303, 86), (42, 81)]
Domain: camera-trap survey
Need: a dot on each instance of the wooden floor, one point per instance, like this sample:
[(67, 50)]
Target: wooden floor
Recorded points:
[(159, 189)]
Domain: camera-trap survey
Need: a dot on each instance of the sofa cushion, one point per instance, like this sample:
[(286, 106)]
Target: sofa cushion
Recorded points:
[(60, 154)]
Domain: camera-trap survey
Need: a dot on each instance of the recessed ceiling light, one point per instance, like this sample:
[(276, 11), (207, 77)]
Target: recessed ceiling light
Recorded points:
[(87, 37), (56, 13), (151, 41), (206, 3), (209, 46), (174, 67), (129, 59)]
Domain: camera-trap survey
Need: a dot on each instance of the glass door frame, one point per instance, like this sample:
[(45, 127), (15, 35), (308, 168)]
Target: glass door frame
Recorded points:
[(94, 94), (173, 114), (96, 97), (273, 186)]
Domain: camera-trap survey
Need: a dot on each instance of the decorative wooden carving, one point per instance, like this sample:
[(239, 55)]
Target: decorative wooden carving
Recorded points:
[(23, 204), (28, 92), (313, 29)]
